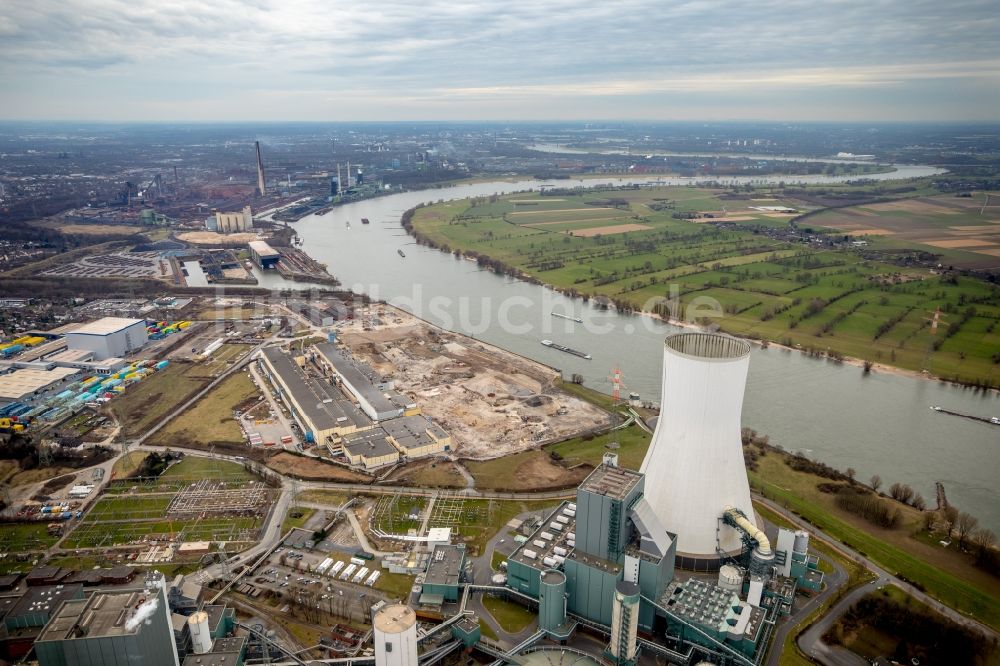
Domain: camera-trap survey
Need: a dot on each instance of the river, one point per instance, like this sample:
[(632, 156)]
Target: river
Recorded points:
[(877, 424)]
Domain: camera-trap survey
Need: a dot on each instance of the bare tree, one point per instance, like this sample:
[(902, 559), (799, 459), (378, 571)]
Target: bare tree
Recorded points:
[(876, 482), (918, 502), (906, 494), (964, 525), (930, 517), (983, 540), (896, 490), (948, 518), (850, 474)]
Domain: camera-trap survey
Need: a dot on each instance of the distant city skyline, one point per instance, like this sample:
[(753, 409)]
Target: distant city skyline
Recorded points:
[(288, 60)]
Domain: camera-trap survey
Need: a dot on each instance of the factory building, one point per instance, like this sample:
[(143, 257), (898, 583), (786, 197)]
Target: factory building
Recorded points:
[(395, 636), (321, 410), (705, 614), (111, 628), (110, 337), (231, 223), (23, 383), (369, 449), (377, 399), (416, 437), (443, 575), (696, 454), (263, 254)]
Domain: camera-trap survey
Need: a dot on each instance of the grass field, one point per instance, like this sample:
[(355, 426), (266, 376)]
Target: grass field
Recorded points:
[(211, 419), (127, 465), (529, 470), (945, 575), (150, 400), (809, 295), (296, 517), (20, 537), (511, 617), (631, 442)]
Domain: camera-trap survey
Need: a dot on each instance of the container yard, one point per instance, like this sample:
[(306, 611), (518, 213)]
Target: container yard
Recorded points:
[(31, 394)]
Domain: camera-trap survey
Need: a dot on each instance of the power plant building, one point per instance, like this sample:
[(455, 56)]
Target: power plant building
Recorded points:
[(696, 455), (110, 629), (609, 534), (110, 337)]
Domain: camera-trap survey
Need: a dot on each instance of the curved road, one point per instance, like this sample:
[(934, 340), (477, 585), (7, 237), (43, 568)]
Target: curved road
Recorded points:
[(810, 641)]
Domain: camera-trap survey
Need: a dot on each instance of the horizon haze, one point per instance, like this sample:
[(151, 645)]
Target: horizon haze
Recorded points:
[(638, 60)]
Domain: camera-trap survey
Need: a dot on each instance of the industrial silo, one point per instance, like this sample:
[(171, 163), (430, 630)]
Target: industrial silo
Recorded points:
[(201, 636), (696, 455), (625, 623), (395, 636), (551, 600), (730, 578)]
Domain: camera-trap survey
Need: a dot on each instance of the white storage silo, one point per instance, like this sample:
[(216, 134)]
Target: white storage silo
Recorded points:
[(201, 636), (801, 542), (696, 455), (730, 578), (395, 636)]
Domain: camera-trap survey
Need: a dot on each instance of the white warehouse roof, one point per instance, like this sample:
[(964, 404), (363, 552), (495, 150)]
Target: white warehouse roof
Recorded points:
[(106, 325)]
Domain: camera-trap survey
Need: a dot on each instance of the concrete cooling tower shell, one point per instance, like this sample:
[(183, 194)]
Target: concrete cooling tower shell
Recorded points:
[(694, 466)]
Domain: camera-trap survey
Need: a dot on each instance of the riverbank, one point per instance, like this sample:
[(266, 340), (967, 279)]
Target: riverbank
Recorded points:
[(747, 272)]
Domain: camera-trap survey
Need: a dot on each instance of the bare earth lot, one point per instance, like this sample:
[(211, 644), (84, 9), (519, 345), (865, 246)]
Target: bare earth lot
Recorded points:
[(492, 402)]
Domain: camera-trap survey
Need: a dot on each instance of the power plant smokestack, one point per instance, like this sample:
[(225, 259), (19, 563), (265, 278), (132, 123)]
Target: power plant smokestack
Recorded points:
[(696, 456), (261, 187)]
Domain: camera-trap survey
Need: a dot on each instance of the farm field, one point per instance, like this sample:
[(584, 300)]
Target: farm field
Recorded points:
[(961, 229), (827, 295)]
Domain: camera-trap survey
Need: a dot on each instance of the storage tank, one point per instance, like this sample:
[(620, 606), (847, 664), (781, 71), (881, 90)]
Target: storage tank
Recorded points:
[(801, 542), (201, 637), (762, 562), (696, 455), (624, 622), (730, 578), (395, 629), (551, 600)]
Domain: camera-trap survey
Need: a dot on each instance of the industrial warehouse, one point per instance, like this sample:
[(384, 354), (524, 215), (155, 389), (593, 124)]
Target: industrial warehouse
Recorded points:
[(54, 374), (342, 405)]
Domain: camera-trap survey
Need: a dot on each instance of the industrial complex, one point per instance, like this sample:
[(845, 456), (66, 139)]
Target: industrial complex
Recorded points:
[(614, 570)]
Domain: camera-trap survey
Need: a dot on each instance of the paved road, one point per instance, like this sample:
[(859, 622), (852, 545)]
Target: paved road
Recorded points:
[(811, 641)]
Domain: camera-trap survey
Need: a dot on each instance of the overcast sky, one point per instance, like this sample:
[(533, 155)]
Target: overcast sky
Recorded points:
[(504, 60)]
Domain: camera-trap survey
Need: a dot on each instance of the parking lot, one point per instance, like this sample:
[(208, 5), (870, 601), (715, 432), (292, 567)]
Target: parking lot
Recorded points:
[(288, 574)]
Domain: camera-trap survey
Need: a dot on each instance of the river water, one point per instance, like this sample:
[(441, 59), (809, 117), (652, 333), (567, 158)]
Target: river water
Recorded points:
[(877, 424)]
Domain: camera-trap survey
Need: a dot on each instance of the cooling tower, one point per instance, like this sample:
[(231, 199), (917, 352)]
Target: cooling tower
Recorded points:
[(694, 466)]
